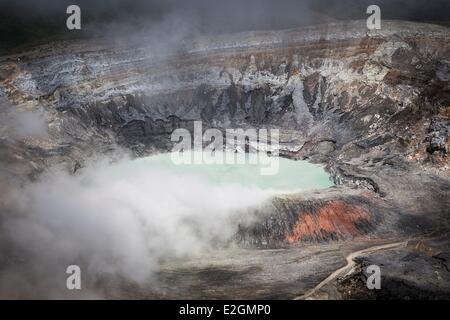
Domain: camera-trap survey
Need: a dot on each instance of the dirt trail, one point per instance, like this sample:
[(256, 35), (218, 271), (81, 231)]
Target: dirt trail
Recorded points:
[(350, 264)]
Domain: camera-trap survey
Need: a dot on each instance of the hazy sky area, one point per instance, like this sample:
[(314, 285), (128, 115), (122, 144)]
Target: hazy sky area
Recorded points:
[(36, 21)]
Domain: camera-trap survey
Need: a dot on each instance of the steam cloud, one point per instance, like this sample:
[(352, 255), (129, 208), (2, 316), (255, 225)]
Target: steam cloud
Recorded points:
[(113, 223), (18, 124)]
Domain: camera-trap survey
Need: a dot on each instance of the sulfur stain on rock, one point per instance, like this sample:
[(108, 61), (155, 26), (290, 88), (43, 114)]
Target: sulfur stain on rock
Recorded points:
[(333, 218)]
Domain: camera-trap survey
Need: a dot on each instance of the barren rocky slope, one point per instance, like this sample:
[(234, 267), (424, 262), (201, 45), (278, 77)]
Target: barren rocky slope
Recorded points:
[(374, 106)]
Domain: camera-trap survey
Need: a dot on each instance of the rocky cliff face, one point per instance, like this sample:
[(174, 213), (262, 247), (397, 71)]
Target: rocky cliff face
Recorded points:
[(330, 88)]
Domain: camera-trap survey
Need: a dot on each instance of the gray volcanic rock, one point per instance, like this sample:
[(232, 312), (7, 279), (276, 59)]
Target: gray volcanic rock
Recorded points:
[(336, 90)]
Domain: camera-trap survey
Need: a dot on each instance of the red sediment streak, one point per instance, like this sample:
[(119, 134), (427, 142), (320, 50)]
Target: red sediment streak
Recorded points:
[(334, 217)]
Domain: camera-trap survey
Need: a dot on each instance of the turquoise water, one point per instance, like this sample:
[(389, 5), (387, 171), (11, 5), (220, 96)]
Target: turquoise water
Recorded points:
[(288, 175)]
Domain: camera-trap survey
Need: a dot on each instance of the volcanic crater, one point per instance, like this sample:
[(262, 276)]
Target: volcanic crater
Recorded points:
[(370, 106)]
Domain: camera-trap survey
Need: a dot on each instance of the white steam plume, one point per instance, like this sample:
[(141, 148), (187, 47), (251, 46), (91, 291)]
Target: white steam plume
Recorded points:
[(113, 223)]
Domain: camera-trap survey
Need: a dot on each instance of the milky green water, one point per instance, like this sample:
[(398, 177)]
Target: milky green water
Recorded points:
[(289, 174)]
